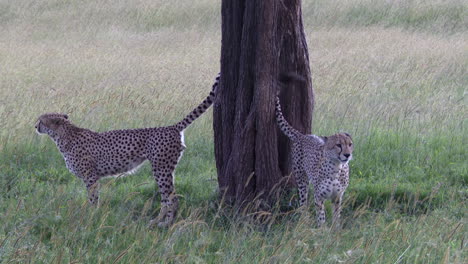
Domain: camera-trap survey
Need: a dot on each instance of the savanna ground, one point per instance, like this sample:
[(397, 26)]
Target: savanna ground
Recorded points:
[(392, 73)]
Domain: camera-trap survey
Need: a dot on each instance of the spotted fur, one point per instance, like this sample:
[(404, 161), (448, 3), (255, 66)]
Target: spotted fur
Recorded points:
[(92, 155), (323, 161)]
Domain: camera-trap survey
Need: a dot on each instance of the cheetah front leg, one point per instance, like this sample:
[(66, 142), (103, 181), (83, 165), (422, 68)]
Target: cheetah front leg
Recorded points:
[(88, 174), (92, 185), (337, 210), (320, 208)]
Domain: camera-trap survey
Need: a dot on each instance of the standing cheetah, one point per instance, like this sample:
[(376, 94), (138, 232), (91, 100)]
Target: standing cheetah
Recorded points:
[(322, 161), (92, 156)]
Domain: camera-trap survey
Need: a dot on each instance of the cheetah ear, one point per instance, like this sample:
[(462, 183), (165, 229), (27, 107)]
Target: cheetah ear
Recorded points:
[(348, 135), (65, 116), (324, 139)]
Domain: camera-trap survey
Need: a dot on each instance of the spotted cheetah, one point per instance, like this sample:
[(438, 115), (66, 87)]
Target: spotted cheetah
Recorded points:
[(322, 161), (92, 155)]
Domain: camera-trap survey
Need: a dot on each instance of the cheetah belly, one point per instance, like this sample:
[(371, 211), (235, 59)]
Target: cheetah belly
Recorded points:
[(119, 167)]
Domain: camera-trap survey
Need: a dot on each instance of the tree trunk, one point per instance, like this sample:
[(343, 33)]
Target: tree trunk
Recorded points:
[(260, 39)]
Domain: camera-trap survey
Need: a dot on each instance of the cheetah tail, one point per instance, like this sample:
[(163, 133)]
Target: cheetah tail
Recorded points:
[(285, 127), (197, 112)]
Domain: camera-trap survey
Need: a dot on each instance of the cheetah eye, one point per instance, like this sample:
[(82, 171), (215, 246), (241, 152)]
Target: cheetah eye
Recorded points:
[(338, 145)]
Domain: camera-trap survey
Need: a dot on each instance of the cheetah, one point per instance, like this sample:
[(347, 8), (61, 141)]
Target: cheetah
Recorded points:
[(92, 155), (323, 161)]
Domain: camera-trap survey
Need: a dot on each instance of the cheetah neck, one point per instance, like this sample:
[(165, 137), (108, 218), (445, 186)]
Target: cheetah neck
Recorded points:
[(62, 144), (64, 136), (334, 165)]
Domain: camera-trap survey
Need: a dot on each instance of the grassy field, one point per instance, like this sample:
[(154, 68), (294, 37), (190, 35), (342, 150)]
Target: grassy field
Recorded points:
[(392, 73)]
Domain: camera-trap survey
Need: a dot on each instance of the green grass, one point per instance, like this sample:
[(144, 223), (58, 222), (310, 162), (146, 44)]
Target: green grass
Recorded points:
[(441, 17), (392, 73)]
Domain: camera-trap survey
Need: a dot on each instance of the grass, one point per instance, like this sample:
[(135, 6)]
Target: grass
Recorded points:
[(392, 73), (441, 17)]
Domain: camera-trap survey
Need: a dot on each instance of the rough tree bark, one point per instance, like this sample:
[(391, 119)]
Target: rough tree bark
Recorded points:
[(260, 39)]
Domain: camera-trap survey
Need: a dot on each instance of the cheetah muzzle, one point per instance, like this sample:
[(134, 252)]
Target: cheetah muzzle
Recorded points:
[(92, 155)]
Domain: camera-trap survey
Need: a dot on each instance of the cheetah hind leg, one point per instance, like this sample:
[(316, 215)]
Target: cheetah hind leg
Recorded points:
[(169, 202), (170, 211), (303, 189), (167, 213)]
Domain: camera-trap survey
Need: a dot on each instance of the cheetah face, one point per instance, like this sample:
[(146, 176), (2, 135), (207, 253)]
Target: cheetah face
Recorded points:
[(339, 147), (49, 123)]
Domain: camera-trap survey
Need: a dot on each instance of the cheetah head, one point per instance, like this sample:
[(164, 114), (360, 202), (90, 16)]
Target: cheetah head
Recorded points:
[(50, 123), (339, 147)]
